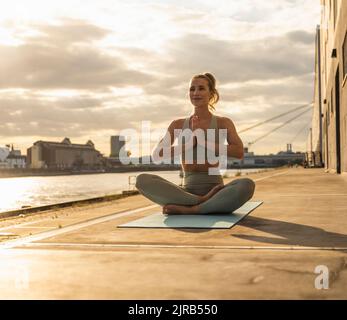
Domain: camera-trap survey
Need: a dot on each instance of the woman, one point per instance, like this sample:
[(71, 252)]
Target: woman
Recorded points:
[(202, 193)]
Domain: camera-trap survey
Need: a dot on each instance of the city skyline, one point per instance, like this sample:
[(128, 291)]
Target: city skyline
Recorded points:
[(12, 147), (86, 71)]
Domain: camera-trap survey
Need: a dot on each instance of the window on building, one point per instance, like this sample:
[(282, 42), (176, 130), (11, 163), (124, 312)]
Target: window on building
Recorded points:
[(332, 101), (344, 49)]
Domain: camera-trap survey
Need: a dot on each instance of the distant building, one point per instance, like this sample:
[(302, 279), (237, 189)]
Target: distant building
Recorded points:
[(4, 152), (10, 159), (64, 155), (117, 143), (16, 161), (280, 159), (327, 140)]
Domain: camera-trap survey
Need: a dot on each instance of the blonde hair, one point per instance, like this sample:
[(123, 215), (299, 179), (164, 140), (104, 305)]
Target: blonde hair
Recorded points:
[(212, 86)]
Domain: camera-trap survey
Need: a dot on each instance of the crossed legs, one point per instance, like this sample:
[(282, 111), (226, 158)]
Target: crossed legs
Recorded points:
[(175, 200)]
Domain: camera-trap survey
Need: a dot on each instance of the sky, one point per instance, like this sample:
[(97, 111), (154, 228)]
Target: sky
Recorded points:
[(89, 69)]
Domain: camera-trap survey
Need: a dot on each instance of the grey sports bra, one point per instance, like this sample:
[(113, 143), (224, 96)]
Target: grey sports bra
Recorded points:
[(213, 125)]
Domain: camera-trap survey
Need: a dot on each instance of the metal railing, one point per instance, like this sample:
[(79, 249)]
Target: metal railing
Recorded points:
[(131, 182)]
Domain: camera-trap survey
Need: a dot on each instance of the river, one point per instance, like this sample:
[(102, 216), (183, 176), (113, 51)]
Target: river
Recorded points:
[(36, 191)]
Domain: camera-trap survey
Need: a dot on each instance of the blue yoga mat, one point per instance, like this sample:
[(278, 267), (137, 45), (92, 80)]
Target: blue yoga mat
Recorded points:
[(207, 221)]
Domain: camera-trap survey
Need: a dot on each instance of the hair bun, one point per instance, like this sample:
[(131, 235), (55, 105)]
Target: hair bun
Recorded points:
[(211, 77)]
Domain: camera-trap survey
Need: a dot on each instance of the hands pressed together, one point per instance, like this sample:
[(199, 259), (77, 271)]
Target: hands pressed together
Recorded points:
[(192, 144)]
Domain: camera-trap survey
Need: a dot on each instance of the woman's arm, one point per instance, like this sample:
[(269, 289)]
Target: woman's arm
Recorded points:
[(234, 146)]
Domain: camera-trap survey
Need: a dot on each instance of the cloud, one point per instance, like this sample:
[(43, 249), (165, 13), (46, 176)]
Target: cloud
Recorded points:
[(63, 58), (274, 68), (254, 15), (301, 36), (268, 58), (274, 92), (70, 31), (75, 116)]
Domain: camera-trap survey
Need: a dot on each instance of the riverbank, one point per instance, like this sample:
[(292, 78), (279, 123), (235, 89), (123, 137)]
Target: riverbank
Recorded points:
[(29, 210), (21, 172)]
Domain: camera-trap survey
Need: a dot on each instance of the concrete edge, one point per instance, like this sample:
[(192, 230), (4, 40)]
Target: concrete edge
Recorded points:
[(18, 212)]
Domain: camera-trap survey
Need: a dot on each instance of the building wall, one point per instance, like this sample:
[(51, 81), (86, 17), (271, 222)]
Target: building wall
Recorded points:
[(314, 144), (333, 31), (116, 146), (66, 158), (342, 40), (35, 157), (16, 162), (63, 156)]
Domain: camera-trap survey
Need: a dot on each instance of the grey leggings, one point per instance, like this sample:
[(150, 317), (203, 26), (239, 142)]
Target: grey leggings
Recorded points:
[(163, 192)]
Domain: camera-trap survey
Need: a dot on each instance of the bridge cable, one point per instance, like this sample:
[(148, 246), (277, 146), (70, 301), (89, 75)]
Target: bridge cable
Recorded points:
[(282, 125), (276, 117)]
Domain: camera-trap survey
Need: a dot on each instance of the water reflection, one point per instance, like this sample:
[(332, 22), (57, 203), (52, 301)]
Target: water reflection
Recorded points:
[(35, 191)]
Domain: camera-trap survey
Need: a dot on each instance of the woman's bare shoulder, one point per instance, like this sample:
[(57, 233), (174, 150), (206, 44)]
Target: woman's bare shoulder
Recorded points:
[(224, 122), (178, 123)]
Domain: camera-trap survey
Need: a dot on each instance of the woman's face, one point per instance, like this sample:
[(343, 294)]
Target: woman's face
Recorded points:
[(199, 92)]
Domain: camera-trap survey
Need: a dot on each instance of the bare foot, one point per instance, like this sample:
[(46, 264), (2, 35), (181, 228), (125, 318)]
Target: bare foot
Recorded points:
[(177, 209), (212, 192)]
